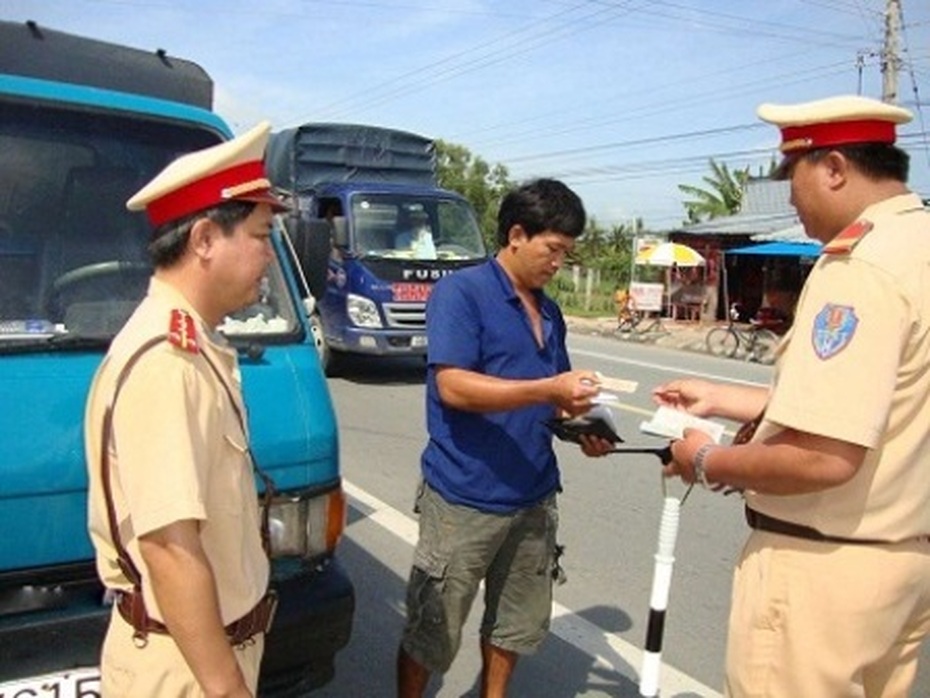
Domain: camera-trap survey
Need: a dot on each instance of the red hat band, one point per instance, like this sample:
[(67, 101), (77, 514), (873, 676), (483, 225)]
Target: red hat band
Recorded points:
[(225, 185), (821, 135)]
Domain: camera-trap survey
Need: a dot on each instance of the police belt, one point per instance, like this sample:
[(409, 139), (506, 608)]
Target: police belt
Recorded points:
[(131, 607), (764, 522)]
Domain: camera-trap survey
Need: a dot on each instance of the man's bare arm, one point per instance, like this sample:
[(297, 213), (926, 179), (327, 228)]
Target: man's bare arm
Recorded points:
[(185, 588)]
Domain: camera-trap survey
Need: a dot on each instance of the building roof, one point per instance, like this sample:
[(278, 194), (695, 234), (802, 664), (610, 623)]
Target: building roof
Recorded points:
[(765, 210)]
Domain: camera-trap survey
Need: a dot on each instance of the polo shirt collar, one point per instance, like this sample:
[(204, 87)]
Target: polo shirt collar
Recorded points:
[(509, 292)]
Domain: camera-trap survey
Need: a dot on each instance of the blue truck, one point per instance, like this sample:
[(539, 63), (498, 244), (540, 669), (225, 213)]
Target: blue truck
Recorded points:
[(373, 232), (83, 124)]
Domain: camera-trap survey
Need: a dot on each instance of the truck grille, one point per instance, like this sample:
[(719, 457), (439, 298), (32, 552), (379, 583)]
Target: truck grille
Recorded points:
[(409, 316)]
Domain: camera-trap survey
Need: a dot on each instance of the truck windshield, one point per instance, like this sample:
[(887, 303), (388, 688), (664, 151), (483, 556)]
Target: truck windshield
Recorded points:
[(407, 227), (73, 261)]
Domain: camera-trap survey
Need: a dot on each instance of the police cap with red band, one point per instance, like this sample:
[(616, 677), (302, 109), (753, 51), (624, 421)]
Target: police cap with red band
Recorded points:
[(834, 121), (230, 171)]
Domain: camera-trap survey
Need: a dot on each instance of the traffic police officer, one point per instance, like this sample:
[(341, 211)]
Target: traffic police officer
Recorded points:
[(831, 596), (173, 510)]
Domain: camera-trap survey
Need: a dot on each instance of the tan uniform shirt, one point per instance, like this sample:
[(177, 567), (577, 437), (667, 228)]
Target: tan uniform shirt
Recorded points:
[(856, 368), (178, 453)]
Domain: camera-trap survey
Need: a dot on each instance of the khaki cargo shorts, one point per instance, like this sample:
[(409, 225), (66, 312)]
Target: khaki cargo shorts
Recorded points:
[(459, 547)]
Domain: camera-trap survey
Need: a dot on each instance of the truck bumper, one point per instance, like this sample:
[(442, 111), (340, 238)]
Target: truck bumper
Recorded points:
[(381, 342), (67, 636), (313, 622)]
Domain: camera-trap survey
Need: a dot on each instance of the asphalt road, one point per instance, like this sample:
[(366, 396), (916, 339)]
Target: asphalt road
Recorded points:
[(610, 512)]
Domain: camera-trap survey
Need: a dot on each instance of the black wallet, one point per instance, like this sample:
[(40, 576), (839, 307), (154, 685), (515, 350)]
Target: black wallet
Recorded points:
[(594, 423)]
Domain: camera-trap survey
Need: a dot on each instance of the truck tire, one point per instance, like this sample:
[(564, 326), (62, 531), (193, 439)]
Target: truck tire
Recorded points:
[(328, 357)]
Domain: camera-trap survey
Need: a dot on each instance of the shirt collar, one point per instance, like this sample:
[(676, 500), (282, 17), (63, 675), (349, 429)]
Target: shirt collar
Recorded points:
[(903, 203), (167, 294)]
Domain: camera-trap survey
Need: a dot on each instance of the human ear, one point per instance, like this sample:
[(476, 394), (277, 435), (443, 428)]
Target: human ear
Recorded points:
[(202, 236), (516, 234), (835, 168)]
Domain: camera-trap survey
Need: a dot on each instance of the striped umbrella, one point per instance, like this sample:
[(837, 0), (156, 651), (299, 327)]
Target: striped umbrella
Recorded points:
[(668, 254)]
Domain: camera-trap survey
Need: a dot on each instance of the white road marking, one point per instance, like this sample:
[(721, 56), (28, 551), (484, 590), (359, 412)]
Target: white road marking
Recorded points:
[(608, 650), (661, 367)]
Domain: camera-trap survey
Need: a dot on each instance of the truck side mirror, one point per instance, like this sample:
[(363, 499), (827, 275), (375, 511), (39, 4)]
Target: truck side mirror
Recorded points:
[(340, 231), (312, 242)]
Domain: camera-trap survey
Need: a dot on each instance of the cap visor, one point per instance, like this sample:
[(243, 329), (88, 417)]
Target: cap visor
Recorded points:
[(266, 197)]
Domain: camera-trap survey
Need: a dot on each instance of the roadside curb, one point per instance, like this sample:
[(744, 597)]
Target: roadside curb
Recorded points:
[(685, 336)]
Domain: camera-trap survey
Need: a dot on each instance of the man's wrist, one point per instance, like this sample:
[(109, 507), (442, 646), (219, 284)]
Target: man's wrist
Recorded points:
[(699, 464)]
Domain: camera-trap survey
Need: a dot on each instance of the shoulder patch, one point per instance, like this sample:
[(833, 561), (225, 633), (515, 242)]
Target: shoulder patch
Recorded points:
[(182, 331), (834, 328), (848, 238)]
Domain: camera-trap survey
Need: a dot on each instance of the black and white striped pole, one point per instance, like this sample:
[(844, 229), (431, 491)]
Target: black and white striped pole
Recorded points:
[(658, 601)]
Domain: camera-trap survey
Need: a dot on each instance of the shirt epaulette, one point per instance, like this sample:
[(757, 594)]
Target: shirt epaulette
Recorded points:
[(848, 238), (182, 331)]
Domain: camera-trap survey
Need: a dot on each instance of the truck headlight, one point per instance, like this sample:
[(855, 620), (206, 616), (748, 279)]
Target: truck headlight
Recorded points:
[(307, 525), (362, 311)]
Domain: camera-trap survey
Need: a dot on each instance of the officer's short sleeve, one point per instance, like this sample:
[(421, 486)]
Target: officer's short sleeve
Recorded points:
[(160, 441), (453, 325), (838, 374)]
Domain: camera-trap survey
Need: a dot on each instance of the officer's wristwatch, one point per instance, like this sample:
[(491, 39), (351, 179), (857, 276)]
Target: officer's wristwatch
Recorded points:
[(700, 475)]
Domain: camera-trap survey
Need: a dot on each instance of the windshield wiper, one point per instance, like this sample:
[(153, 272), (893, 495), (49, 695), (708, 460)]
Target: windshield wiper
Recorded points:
[(60, 341)]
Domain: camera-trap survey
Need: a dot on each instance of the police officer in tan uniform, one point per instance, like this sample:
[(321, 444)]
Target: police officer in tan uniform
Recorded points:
[(831, 596), (173, 512)]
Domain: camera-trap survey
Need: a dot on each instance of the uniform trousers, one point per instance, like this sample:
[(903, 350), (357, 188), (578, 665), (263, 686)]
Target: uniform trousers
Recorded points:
[(827, 620)]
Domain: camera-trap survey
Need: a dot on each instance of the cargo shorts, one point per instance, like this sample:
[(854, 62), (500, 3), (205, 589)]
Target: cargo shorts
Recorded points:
[(459, 547)]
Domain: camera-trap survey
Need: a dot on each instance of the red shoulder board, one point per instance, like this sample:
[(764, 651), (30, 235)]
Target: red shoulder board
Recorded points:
[(848, 238), (182, 332)]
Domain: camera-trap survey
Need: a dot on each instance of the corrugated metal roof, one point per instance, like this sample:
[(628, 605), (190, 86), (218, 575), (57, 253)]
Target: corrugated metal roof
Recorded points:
[(766, 210)]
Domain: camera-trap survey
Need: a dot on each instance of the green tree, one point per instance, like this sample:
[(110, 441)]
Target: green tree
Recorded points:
[(722, 197), (482, 184)]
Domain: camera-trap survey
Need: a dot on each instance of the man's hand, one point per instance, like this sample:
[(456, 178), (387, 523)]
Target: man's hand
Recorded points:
[(595, 446), (706, 399), (690, 395), (572, 391), (683, 452)]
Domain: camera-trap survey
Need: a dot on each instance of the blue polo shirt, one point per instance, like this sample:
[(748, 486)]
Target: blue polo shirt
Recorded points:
[(491, 461)]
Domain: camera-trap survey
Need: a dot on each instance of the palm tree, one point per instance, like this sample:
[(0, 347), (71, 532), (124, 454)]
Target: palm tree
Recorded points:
[(722, 198)]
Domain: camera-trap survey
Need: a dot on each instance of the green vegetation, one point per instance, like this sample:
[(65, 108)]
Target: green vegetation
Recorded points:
[(605, 254)]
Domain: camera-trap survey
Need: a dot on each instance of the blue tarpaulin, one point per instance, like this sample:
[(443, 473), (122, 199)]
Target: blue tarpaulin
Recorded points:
[(781, 249)]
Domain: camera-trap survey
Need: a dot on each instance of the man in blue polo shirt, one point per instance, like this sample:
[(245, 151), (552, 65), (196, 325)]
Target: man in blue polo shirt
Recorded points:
[(498, 369)]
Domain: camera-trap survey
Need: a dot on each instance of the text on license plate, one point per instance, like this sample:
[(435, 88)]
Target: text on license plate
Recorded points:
[(77, 683), (411, 292)]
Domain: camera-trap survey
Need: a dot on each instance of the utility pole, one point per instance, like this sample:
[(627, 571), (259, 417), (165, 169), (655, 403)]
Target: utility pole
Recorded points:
[(890, 61)]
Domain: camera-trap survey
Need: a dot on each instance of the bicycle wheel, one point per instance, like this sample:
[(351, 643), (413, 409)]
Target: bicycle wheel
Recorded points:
[(722, 341), (762, 346)]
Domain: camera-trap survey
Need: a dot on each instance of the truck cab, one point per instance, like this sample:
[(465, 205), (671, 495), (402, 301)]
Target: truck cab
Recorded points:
[(372, 231), (393, 244), (83, 125)]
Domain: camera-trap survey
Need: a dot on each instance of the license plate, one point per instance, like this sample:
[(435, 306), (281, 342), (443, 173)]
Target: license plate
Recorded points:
[(418, 341), (77, 683)]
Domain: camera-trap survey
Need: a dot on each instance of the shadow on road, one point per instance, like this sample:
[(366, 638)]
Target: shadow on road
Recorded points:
[(381, 370)]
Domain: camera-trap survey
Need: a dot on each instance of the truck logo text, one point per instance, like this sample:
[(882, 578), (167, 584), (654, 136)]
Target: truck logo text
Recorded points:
[(425, 274)]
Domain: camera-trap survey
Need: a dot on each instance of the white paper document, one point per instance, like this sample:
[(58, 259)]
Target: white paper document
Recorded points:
[(672, 423)]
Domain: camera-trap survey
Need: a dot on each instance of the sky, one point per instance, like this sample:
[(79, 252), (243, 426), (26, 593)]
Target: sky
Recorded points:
[(622, 99)]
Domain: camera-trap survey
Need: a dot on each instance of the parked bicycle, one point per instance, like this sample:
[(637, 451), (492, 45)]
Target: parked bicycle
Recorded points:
[(754, 342)]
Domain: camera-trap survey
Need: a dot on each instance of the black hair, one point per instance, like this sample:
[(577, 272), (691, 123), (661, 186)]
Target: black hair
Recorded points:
[(542, 204), (874, 160), (170, 239)]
